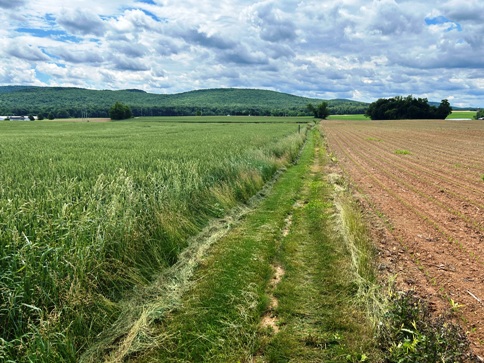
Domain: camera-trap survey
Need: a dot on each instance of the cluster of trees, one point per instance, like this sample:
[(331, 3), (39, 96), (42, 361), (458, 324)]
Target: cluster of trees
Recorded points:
[(400, 108), (320, 111), (120, 111), (480, 114)]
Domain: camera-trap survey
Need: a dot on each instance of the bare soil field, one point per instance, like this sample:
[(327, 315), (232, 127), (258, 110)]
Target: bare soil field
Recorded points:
[(422, 183)]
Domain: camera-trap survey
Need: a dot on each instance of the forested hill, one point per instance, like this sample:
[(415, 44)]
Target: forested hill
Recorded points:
[(75, 102)]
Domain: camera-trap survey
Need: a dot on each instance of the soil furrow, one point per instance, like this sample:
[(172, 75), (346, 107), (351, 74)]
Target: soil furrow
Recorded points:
[(445, 172), (458, 215)]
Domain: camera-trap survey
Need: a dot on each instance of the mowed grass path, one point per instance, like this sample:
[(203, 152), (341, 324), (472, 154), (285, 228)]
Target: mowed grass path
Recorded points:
[(316, 318)]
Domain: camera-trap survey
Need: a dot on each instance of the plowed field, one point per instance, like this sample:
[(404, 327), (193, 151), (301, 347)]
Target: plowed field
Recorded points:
[(423, 183)]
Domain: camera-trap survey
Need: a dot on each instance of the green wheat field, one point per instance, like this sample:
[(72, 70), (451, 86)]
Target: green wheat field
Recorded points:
[(90, 211)]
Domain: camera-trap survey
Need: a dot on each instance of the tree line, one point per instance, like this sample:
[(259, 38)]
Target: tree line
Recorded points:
[(65, 102)]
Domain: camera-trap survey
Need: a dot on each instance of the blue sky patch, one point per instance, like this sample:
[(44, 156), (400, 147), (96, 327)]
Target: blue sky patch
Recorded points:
[(150, 14), (54, 34), (43, 77), (50, 19), (438, 20)]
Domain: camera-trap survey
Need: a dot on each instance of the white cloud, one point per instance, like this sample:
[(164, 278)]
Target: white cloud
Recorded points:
[(332, 49)]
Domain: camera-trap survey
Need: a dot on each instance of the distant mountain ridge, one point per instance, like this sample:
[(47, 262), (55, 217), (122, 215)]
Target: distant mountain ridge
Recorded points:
[(74, 102)]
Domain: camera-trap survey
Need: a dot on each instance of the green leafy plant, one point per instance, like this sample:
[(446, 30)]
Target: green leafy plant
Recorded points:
[(408, 334), (402, 152), (455, 306)]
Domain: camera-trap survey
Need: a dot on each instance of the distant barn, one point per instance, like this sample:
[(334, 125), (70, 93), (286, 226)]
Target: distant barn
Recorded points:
[(16, 118)]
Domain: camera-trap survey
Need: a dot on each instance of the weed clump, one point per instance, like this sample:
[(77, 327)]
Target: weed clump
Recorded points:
[(402, 152), (408, 333)]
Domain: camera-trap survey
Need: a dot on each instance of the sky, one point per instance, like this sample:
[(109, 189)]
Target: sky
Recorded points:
[(353, 49)]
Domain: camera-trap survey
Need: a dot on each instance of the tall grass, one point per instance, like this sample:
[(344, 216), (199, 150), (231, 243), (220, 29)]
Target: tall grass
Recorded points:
[(89, 211)]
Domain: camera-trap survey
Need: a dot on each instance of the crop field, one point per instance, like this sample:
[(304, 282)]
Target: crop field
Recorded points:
[(462, 115), (356, 117), (227, 119), (90, 211), (423, 185)]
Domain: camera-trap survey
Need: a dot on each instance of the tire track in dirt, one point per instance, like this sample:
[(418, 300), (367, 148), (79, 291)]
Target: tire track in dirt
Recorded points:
[(269, 319)]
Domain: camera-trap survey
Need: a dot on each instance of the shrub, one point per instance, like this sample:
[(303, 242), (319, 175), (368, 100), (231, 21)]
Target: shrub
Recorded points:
[(408, 334)]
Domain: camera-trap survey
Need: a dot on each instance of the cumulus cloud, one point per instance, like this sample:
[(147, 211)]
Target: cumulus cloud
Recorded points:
[(18, 73), (273, 24), (124, 63), (209, 41), (243, 56), (26, 52), (81, 21), (78, 56)]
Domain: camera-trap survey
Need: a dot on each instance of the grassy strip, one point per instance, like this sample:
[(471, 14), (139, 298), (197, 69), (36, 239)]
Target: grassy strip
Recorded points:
[(461, 115), (355, 117), (319, 314)]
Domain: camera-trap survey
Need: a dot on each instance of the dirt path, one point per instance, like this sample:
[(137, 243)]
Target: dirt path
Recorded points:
[(423, 182)]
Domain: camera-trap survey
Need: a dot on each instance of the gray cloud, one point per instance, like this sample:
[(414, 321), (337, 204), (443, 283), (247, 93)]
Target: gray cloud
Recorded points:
[(82, 21), (166, 47), (467, 11), (123, 63), (209, 41), (12, 4), (244, 57), (274, 24), (390, 19), (78, 56), (129, 49), (26, 52)]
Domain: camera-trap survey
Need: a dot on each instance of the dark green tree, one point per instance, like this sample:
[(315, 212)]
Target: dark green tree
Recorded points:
[(443, 110), (62, 113), (399, 108), (480, 114), (40, 116), (320, 111), (120, 111)]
